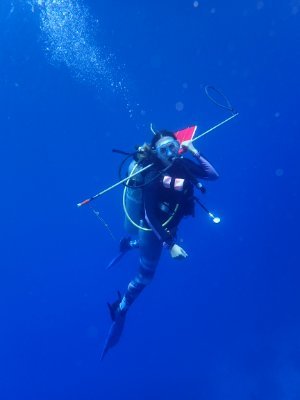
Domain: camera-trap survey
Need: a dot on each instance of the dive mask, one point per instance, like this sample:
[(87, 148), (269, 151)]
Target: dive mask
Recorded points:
[(167, 149)]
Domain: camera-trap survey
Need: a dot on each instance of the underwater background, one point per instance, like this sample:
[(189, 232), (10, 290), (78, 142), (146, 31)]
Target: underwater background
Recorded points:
[(81, 77)]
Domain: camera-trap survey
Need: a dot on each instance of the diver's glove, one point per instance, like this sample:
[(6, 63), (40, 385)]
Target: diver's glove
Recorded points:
[(177, 252), (187, 145)]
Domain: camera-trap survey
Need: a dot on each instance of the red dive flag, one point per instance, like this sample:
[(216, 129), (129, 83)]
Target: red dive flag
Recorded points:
[(185, 134)]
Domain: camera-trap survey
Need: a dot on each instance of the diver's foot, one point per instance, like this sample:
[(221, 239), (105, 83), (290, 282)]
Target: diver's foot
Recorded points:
[(126, 243), (115, 308)]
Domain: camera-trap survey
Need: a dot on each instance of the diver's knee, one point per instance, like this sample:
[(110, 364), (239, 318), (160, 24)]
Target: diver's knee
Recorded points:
[(145, 275), (144, 279), (136, 286), (148, 264)]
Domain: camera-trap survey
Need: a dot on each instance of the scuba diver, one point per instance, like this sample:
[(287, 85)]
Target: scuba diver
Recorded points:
[(155, 202)]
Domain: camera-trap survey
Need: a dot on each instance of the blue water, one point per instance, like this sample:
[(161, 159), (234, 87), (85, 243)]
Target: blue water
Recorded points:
[(79, 78)]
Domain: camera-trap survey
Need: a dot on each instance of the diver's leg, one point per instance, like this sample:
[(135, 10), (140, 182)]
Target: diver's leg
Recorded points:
[(150, 251)]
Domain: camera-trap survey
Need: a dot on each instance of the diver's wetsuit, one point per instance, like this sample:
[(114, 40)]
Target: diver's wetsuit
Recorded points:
[(162, 194)]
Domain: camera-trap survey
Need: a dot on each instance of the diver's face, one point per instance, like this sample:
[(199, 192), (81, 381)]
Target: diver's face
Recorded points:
[(167, 150)]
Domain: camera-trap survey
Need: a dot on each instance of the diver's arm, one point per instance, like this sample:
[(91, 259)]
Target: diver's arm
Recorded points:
[(203, 169), (164, 235), (151, 201), (150, 205), (168, 241), (207, 170)]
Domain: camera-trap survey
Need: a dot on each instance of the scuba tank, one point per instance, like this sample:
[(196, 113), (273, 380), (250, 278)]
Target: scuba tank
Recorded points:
[(133, 199)]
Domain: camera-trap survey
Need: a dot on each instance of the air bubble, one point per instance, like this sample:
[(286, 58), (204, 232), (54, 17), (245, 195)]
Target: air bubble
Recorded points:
[(179, 106), (260, 5), (279, 172), (68, 33)]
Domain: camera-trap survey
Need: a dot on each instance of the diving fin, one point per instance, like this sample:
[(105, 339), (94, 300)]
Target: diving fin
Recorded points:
[(116, 328), (126, 244), (115, 260)]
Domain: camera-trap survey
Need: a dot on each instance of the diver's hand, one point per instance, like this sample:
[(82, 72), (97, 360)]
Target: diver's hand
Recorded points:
[(177, 252), (187, 145)]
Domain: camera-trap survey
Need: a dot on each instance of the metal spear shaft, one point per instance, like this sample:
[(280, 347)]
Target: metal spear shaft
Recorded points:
[(87, 201)]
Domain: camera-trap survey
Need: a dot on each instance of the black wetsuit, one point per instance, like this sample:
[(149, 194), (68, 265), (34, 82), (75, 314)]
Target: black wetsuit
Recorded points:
[(173, 190), (166, 196)]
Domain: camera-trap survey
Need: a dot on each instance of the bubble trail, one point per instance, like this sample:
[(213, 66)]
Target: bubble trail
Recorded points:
[(68, 34)]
